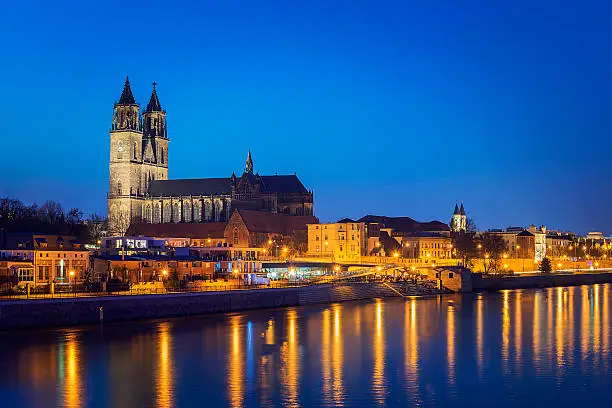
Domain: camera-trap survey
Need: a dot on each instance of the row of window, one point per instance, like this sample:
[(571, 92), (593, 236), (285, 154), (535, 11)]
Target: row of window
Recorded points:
[(75, 255)]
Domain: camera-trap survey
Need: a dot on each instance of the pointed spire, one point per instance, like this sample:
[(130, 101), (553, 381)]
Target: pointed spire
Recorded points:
[(126, 96), (462, 210), (154, 105), (456, 212), (248, 168)]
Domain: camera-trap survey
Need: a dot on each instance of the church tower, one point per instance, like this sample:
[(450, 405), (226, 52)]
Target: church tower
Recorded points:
[(459, 221), (248, 167), (125, 194), (154, 142)]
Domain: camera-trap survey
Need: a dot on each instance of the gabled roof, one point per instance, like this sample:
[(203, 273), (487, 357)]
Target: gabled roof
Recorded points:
[(345, 221), (404, 224), (185, 187), (222, 185), (283, 184), (261, 221), (524, 233), (154, 105), (178, 230), (126, 96)]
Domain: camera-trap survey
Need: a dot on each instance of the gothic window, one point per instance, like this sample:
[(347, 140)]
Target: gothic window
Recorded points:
[(235, 236), (207, 211), (167, 211), (187, 211), (135, 152), (176, 214), (148, 214), (197, 211), (162, 155), (157, 213), (217, 210), (119, 187)]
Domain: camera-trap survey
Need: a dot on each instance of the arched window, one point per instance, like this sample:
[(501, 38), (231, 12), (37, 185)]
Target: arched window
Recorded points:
[(197, 211), (119, 189), (187, 211), (166, 215), (162, 155), (135, 152), (157, 213), (176, 214), (236, 235)]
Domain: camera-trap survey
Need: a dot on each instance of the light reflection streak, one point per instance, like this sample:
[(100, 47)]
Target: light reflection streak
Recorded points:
[(338, 358), (606, 325), (584, 325), (479, 334), (411, 350), (72, 372), (518, 330), (378, 375), (559, 329), (164, 378), (450, 343), (325, 356), (235, 364), (549, 325), (505, 330), (537, 330), (596, 323), (290, 363)]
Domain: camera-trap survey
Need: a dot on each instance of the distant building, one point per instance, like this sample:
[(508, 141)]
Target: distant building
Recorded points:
[(140, 191), (343, 241), (458, 222), (595, 236), (41, 259)]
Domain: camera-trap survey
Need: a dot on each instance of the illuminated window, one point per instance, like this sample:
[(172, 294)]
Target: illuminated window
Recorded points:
[(235, 236)]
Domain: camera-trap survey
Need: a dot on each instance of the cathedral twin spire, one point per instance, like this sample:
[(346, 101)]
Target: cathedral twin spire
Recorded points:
[(127, 98)]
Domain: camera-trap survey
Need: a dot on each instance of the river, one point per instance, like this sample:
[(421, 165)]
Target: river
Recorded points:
[(510, 348)]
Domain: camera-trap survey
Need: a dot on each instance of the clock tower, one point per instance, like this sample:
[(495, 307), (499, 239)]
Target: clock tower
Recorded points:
[(126, 192)]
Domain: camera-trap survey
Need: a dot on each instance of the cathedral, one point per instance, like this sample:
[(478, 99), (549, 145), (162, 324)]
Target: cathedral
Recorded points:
[(140, 191)]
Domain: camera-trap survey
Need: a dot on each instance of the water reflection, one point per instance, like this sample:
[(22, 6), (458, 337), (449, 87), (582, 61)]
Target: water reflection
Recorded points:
[(525, 345), (290, 363), (235, 363), (70, 372), (379, 387), (164, 381)]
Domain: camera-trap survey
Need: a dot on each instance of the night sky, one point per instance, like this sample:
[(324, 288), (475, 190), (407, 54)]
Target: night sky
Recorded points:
[(396, 108)]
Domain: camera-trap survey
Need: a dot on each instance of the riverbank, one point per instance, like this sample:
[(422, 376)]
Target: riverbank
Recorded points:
[(18, 314), (538, 280)]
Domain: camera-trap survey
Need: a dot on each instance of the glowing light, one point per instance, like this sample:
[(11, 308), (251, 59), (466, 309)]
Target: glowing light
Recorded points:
[(285, 249), (559, 265), (479, 246), (71, 273), (379, 268), (413, 268), (336, 268), (209, 240), (395, 254), (165, 272), (269, 242)]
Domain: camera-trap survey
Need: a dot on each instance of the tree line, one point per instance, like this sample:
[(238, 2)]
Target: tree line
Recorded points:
[(51, 218)]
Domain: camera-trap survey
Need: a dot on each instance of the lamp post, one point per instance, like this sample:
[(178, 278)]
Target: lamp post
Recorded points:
[(71, 281)]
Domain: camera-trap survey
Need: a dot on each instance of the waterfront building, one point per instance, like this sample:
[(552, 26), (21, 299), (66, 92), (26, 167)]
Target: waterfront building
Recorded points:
[(140, 190), (257, 229), (40, 259), (428, 247), (345, 240), (210, 234)]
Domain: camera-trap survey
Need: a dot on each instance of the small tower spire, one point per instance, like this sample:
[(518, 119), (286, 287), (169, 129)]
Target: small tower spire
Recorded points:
[(127, 98), (456, 212), (462, 210), (248, 168), (154, 105)]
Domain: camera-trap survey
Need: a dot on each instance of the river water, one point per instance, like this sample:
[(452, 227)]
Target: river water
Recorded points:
[(511, 348)]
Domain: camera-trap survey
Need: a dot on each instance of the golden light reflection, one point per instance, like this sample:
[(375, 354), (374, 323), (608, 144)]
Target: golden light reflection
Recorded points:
[(606, 325), (72, 392), (235, 364), (549, 324), (559, 327), (266, 367), (537, 330), (518, 329), (505, 330), (596, 322), (325, 356), (411, 348), (584, 325), (450, 343), (479, 334), (164, 379), (338, 358), (270, 332), (378, 375), (290, 363)]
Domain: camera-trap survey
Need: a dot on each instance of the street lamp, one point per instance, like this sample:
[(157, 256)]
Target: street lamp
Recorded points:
[(71, 273)]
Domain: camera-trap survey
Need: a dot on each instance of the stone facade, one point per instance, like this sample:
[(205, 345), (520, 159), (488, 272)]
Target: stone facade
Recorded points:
[(139, 189)]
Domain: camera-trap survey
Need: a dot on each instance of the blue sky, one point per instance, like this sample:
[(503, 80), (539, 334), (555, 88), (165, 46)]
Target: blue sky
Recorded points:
[(397, 108)]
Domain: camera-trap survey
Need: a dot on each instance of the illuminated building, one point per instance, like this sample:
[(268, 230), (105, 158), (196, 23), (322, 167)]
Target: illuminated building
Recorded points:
[(140, 191), (343, 241)]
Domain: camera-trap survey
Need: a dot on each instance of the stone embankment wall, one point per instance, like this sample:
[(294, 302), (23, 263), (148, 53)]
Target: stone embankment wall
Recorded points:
[(539, 280), (80, 311)]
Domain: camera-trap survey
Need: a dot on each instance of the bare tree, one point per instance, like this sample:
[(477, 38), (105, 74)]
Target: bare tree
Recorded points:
[(119, 222)]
